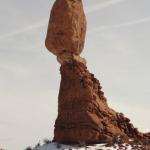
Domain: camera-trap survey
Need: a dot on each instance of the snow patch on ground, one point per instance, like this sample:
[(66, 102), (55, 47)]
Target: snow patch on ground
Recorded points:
[(56, 146)]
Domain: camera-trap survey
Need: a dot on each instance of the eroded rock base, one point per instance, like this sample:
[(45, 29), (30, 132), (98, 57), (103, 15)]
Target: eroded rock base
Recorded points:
[(83, 113)]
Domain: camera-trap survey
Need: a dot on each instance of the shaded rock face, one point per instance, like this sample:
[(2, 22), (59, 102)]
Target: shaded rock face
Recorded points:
[(67, 28), (83, 113)]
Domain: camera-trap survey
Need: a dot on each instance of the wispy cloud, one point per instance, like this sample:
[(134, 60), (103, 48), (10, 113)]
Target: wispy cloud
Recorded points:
[(4, 123), (6, 139), (42, 23), (100, 6), (127, 24), (24, 30)]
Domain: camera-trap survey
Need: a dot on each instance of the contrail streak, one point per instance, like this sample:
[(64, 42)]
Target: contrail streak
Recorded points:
[(44, 22), (103, 28), (101, 6), (23, 30)]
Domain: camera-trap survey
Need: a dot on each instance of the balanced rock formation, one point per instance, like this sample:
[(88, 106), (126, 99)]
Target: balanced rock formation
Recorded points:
[(83, 112)]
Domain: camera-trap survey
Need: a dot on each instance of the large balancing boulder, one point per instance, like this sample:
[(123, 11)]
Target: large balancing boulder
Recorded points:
[(67, 28)]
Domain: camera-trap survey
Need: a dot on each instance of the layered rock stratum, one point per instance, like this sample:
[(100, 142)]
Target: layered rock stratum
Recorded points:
[(83, 113)]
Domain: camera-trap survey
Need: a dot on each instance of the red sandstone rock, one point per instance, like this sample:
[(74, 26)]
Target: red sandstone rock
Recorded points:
[(67, 27), (83, 113)]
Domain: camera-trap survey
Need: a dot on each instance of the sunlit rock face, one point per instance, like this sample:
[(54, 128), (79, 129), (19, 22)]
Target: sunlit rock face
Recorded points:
[(83, 113), (67, 28)]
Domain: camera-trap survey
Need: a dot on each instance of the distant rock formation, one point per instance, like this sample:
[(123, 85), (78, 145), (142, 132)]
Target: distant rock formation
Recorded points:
[(83, 113)]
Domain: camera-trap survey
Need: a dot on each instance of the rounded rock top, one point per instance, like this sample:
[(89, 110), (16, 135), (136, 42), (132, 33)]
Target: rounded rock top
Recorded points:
[(67, 27)]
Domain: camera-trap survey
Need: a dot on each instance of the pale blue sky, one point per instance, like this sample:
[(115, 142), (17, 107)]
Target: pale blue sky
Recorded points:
[(117, 51)]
